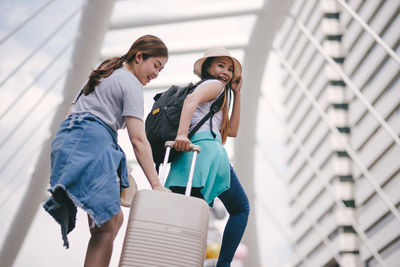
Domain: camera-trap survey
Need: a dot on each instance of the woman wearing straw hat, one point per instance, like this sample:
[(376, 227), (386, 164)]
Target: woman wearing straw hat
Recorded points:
[(214, 176)]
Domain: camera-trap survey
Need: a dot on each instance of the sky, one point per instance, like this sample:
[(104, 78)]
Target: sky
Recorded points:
[(28, 103)]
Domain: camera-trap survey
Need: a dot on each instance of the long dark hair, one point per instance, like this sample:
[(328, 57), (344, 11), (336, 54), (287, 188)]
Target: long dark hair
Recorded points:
[(148, 45), (225, 106)]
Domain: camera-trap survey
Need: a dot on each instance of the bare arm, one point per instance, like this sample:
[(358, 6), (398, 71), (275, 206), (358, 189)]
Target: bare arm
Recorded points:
[(201, 95), (235, 116), (142, 149)]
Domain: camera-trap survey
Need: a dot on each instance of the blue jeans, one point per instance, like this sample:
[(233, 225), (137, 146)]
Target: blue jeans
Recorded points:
[(236, 203)]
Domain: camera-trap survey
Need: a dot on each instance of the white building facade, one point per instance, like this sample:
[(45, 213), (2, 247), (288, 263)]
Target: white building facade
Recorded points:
[(342, 99)]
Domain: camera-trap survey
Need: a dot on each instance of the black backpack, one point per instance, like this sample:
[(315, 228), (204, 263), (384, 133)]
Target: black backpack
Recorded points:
[(163, 120)]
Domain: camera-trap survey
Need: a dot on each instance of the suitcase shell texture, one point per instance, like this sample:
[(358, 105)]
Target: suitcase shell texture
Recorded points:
[(165, 229)]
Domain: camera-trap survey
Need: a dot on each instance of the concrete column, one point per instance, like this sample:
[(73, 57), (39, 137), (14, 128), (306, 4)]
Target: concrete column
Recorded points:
[(267, 24), (93, 26)]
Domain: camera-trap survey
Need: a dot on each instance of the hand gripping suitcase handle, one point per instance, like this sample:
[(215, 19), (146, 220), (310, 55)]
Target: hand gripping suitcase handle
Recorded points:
[(192, 147), (196, 149)]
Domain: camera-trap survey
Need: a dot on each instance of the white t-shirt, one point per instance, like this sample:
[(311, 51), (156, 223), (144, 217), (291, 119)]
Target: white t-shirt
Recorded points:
[(116, 96), (203, 109)]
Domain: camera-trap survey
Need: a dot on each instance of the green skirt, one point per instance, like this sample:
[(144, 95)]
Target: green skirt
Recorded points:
[(211, 172)]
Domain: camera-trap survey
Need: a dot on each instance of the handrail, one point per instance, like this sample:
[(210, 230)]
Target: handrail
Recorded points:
[(317, 171), (38, 48), (29, 136), (26, 89), (12, 193), (370, 31), (348, 82), (25, 117), (26, 21)]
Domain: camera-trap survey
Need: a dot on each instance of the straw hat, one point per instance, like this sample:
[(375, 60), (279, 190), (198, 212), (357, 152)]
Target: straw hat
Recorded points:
[(218, 52)]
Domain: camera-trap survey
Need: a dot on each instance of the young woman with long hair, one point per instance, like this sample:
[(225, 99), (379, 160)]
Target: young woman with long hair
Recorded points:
[(88, 167), (213, 176)]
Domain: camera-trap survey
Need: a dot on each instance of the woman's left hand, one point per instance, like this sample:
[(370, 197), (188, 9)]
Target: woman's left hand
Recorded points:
[(237, 84), (182, 143)]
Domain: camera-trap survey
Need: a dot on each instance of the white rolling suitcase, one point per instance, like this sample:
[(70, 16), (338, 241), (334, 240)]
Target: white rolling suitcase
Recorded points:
[(166, 229)]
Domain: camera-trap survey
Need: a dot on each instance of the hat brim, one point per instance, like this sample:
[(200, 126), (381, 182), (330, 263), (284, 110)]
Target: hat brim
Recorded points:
[(237, 67)]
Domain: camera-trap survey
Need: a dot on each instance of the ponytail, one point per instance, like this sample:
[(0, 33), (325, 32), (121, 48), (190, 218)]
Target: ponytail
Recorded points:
[(105, 69), (148, 45)]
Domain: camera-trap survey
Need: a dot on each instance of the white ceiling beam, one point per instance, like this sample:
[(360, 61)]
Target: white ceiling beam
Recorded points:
[(134, 23), (118, 51)]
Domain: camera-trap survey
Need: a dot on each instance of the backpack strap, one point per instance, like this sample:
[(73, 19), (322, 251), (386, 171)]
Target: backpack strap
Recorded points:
[(80, 93), (215, 107)]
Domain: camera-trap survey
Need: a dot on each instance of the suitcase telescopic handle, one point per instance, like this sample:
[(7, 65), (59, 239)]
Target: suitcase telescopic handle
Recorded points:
[(195, 148)]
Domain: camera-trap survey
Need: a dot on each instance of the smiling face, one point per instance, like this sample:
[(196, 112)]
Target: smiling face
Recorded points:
[(222, 69), (148, 69)]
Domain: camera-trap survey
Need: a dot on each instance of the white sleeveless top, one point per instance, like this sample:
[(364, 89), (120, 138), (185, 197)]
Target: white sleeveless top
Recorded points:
[(203, 109)]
